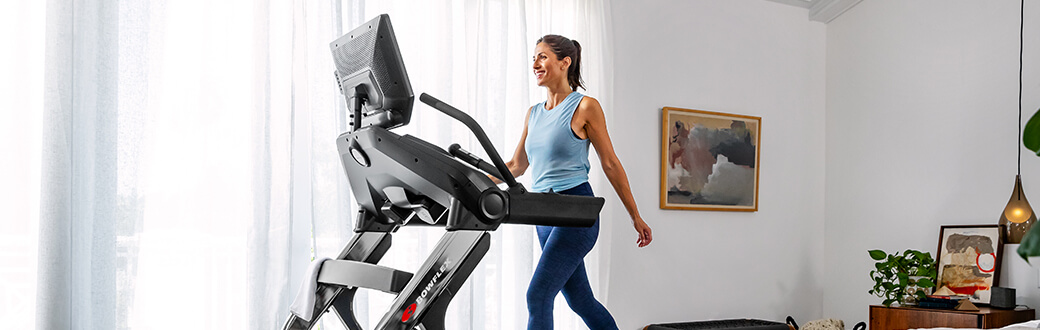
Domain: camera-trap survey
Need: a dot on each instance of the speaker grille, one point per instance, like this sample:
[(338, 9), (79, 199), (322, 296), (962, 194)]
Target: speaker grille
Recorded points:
[(350, 56), (361, 45), (372, 47)]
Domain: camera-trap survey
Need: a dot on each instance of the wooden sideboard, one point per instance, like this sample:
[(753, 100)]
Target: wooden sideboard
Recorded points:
[(884, 318)]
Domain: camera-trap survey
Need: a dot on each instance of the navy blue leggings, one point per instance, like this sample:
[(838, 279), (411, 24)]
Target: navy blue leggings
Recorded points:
[(562, 268)]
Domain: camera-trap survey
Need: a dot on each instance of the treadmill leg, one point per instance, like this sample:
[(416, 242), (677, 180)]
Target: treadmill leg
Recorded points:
[(430, 290), (433, 319), (344, 307)]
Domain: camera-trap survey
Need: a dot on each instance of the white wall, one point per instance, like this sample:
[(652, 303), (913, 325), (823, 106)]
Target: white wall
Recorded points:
[(747, 57), (922, 100)]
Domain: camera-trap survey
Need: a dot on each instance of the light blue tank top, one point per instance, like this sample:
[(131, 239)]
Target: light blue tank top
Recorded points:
[(559, 160)]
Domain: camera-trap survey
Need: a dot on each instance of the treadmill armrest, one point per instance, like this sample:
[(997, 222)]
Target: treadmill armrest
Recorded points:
[(549, 209), (363, 275)]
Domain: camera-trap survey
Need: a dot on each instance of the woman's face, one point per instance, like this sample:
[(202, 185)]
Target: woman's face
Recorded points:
[(547, 68)]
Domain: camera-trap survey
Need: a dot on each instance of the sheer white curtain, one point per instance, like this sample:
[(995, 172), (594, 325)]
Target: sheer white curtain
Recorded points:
[(171, 164), (21, 108), (164, 182)]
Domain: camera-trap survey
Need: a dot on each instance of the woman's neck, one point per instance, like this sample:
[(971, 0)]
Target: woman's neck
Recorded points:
[(556, 94)]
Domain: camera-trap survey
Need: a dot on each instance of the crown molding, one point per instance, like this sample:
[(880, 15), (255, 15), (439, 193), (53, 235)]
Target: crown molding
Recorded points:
[(827, 10), (797, 3), (822, 10)]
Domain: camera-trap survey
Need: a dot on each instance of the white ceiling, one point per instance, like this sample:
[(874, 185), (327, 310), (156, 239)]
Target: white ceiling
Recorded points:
[(822, 10)]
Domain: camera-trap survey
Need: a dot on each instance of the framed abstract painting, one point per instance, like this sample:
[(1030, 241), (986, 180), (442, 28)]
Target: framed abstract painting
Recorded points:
[(969, 260), (709, 160)]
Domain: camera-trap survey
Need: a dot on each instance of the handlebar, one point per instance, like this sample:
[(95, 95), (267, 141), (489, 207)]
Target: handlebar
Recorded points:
[(457, 151), (503, 171)]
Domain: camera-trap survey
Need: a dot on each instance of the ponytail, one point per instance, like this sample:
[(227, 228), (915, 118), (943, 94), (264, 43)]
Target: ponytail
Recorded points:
[(574, 76)]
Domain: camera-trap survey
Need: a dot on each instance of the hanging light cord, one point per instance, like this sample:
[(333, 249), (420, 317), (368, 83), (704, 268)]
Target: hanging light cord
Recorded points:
[(1021, 28)]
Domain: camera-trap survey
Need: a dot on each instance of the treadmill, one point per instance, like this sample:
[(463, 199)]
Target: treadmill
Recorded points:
[(400, 181)]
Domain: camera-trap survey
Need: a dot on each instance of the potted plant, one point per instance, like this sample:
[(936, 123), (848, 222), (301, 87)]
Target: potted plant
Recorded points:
[(902, 278)]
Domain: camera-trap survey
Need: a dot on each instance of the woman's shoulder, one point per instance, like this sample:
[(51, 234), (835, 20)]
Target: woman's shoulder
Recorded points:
[(589, 103), (585, 99)]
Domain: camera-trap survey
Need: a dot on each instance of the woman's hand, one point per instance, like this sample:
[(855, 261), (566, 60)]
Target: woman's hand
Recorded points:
[(645, 235)]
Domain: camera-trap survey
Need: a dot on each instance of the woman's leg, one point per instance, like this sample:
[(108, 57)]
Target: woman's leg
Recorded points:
[(562, 268), (561, 255), (579, 296)]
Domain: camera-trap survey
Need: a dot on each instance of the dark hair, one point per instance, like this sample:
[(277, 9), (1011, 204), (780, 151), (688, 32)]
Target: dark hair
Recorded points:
[(563, 47)]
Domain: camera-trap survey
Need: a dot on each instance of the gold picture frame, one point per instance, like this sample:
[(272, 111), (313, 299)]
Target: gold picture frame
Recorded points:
[(709, 160)]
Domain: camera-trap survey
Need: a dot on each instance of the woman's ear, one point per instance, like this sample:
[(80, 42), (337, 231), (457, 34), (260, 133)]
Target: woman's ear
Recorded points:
[(566, 63)]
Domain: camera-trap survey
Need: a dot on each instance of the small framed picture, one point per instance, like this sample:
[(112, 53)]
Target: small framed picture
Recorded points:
[(969, 260), (709, 160)]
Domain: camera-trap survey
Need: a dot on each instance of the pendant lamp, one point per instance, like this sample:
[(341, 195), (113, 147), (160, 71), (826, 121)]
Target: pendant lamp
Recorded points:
[(1018, 216)]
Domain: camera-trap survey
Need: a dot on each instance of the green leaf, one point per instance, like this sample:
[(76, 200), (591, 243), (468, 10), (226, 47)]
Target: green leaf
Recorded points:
[(930, 271), (877, 254), (925, 283), (921, 295), (1031, 133), (888, 302), (1030, 246)]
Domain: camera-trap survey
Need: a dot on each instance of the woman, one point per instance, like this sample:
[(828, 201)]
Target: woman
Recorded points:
[(555, 145)]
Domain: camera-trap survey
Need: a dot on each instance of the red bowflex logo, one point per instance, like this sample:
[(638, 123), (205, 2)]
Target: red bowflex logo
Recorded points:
[(429, 287), (408, 313)]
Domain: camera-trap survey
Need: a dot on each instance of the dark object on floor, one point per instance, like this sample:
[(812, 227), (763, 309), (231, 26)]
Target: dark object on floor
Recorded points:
[(735, 324)]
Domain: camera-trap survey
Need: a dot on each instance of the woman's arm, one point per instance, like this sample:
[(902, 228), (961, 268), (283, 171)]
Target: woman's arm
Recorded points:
[(590, 116), (518, 165)]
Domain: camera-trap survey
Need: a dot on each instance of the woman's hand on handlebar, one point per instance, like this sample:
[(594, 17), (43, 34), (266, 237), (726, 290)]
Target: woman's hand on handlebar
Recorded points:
[(494, 179), (645, 234), (515, 168)]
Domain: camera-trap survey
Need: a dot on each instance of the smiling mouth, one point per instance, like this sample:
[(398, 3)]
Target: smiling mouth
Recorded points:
[(539, 74)]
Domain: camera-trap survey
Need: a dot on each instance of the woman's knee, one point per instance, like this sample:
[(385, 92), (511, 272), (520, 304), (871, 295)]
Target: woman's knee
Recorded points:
[(582, 304), (538, 297), (538, 306)]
